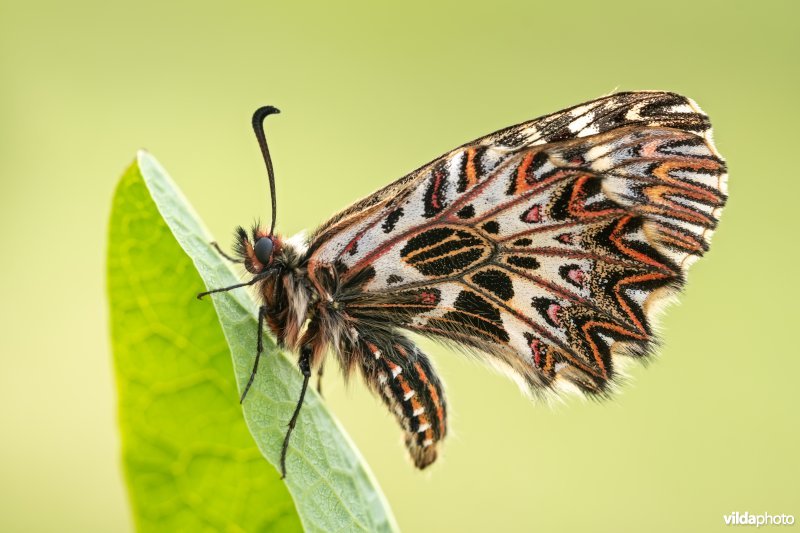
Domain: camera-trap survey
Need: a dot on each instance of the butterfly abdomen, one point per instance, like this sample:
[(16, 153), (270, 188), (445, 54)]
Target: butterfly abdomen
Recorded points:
[(403, 377)]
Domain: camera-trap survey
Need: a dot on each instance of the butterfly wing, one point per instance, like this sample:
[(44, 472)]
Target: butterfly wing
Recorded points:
[(547, 245)]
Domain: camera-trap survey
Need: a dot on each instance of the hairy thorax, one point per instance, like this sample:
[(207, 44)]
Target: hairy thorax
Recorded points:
[(304, 310)]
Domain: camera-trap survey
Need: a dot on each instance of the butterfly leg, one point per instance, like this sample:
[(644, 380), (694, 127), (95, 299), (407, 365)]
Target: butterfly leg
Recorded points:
[(253, 281), (305, 368), (319, 378), (223, 254), (262, 314)]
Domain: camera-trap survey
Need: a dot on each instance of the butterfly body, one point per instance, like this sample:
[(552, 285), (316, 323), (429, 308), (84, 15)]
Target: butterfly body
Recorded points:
[(314, 311), (545, 246)]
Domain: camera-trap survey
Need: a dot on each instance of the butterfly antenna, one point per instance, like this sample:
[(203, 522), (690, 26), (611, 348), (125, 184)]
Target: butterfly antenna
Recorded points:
[(258, 126)]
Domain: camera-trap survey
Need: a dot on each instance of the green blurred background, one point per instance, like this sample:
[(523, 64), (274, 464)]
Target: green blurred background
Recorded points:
[(369, 92)]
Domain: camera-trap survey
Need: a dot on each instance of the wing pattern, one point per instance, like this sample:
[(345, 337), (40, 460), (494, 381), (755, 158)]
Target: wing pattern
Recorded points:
[(547, 244)]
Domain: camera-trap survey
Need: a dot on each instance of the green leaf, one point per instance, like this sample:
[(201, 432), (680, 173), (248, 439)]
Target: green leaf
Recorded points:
[(189, 461)]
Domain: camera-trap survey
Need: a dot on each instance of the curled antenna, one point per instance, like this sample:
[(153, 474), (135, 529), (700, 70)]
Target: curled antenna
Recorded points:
[(258, 126)]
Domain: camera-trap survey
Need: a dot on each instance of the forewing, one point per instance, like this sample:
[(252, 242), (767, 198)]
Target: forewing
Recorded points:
[(546, 245), (641, 108)]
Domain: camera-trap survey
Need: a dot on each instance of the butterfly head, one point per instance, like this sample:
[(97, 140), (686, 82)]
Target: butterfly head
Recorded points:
[(261, 252), (258, 250)]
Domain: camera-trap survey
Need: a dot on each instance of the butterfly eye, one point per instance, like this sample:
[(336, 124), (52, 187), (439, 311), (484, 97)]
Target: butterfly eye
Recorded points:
[(263, 250)]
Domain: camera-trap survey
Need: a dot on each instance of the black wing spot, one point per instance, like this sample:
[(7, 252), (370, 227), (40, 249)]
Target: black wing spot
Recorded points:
[(425, 239), (443, 251), (523, 261), (492, 227), (496, 282), (479, 317), (450, 264), (470, 302), (468, 211), (391, 220)]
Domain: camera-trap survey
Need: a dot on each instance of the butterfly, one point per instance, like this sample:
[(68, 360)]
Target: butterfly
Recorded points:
[(546, 248)]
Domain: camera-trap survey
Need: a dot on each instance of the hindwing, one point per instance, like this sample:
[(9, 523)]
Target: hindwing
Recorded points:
[(546, 245)]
